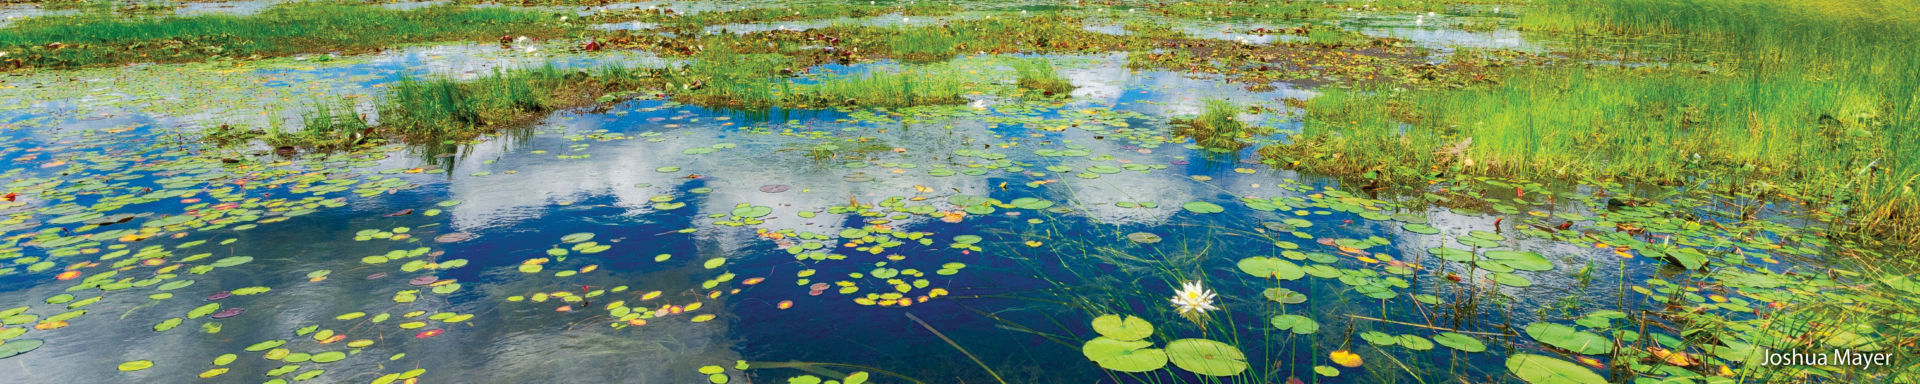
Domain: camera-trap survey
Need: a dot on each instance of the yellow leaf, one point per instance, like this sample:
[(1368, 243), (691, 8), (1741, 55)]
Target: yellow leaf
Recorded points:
[(1345, 358)]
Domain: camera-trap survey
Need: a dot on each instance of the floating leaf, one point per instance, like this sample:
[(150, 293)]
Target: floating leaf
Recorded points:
[(1271, 267), (136, 365), (1537, 369), (1379, 338), (1568, 338), (1128, 329), (577, 237), (1296, 323), (231, 261), (1124, 356), (1461, 342), (1345, 358), (1206, 357), (1202, 207), (18, 347)]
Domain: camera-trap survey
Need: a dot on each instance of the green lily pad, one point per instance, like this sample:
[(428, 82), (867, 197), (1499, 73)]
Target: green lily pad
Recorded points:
[(328, 357), (1461, 342), (1143, 237), (1207, 357), (1271, 267), (1569, 338), (577, 237), (1128, 329), (1420, 229), (1537, 369), (1283, 296), (1124, 356), (1203, 207), (18, 347), (1296, 323), (1525, 261), (1415, 342), (1379, 338), (1511, 280)]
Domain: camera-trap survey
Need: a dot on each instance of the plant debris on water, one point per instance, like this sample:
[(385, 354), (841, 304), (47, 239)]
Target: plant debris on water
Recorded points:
[(1543, 192)]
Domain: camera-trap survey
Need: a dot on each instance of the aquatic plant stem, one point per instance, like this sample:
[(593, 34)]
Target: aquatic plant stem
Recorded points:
[(943, 337)]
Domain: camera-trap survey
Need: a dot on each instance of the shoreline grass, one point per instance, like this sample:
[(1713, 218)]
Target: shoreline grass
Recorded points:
[(92, 39), (1816, 102)]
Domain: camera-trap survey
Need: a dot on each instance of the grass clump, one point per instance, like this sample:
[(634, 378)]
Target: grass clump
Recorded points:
[(1218, 127), (326, 127), (99, 39), (1815, 100), (448, 109), (907, 86), (1040, 75), (721, 77)]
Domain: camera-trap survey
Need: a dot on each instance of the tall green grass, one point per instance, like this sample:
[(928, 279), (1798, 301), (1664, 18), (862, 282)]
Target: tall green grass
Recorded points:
[(1816, 98), (1218, 126), (1040, 75), (445, 108), (907, 86), (97, 39), (326, 127)]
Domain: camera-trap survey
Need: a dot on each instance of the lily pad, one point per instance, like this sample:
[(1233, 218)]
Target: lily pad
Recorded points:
[(135, 365), (1461, 342), (1124, 356), (1537, 369), (17, 347), (1569, 338), (1202, 207), (1525, 261), (1271, 267), (1296, 323), (1123, 329), (1207, 357), (1143, 237)]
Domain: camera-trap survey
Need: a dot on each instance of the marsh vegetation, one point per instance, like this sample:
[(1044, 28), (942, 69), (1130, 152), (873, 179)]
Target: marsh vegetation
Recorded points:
[(1541, 192)]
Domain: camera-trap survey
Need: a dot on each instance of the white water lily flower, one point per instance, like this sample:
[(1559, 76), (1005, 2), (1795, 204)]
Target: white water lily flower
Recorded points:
[(1192, 298)]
